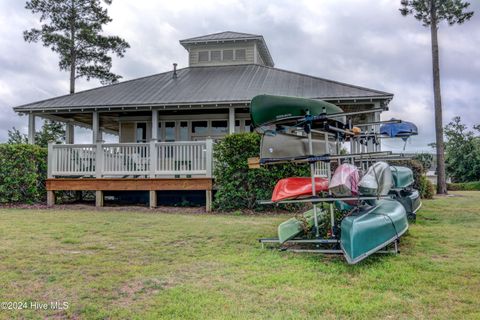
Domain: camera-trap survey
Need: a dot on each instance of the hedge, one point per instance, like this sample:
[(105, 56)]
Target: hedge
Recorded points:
[(464, 186), (239, 187), (23, 170)]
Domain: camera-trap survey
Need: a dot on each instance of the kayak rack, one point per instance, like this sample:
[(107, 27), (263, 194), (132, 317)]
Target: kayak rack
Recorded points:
[(327, 199), (364, 149), (391, 248)]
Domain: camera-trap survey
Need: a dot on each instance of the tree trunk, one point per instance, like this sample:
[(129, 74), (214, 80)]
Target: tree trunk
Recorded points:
[(72, 48), (441, 181)]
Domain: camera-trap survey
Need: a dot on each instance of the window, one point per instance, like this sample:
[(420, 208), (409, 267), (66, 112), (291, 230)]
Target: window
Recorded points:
[(227, 54), (141, 132), (200, 127), (170, 131), (184, 131), (237, 126), (220, 127), (202, 56), (247, 125), (216, 55), (240, 54), (159, 132)]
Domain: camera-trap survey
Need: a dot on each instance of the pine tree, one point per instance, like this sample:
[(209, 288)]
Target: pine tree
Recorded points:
[(73, 29), (431, 13)]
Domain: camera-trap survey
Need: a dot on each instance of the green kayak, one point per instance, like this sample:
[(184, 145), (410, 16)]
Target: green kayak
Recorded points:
[(372, 229), (292, 227), (268, 109), (402, 177)]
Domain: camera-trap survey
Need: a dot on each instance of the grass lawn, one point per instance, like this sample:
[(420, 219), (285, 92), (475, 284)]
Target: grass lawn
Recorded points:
[(120, 264)]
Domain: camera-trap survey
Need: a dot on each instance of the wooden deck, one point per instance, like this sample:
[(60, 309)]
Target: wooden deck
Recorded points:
[(99, 185)]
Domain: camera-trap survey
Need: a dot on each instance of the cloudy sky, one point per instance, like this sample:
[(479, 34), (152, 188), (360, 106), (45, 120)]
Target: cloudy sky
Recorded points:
[(354, 41)]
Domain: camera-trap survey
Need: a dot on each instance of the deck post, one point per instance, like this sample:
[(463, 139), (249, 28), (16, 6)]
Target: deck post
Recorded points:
[(95, 127), (31, 128), (50, 160), (153, 199), (208, 200), (98, 198), (50, 198), (99, 160), (231, 120), (153, 157), (155, 125), (69, 133), (209, 157)]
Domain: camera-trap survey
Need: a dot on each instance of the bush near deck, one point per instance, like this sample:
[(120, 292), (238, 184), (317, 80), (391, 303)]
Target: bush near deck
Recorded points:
[(239, 187), (23, 170)]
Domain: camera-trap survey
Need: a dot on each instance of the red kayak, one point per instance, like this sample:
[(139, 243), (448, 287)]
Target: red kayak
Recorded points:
[(292, 188)]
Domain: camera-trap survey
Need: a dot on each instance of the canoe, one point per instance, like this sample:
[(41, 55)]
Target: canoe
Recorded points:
[(410, 199), (275, 145), (292, 188), (344, 181), (377, 181), (403, 129), (269, 109), (292, 227), (371, 229), (402, 177)]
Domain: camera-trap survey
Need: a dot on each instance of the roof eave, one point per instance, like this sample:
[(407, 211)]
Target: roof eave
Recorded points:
[(184, 105)]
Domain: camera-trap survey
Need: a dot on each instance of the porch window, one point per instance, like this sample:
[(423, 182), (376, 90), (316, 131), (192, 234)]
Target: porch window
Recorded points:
[(159, 132), (170, 131), (141, 132), (184, 131), (200, 127), (247, 128), (237, 126), (219, 127)]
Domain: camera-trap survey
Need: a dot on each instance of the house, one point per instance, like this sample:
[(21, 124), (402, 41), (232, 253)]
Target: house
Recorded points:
[(166, 123)]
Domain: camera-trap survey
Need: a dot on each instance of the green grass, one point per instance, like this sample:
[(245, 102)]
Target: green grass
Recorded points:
[(140, 265)]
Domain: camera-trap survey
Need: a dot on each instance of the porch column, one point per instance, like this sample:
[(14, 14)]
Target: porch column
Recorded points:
[(231, 120), (31, 128), (69, 133), (96, 135), (155, 125)]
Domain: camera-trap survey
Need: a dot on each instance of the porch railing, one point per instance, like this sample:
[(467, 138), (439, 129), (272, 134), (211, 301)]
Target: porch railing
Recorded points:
[(154, 159)]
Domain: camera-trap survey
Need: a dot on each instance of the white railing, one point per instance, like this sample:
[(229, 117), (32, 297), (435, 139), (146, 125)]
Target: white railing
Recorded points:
[(321, 169), (154, 159)]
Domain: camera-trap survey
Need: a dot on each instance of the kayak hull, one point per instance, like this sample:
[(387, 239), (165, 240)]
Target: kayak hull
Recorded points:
[(410, 199), (372, 229), (292, 188), (402, 177), (269, 109), (289, 229), (288, 146)]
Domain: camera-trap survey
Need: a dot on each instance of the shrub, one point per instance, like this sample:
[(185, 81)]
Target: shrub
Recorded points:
[(239, 187), (465, 186), (426, 188), (23, 170)]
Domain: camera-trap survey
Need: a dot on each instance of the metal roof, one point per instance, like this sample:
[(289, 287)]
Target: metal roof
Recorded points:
[(230, 36), (206, 86), (226, 35)]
